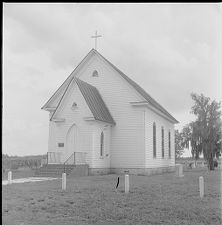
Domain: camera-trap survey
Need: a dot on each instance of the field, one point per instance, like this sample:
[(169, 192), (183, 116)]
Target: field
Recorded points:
[(158, 199)]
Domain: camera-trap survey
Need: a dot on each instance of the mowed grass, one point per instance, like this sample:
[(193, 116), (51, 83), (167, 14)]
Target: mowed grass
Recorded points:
[(158, 199)]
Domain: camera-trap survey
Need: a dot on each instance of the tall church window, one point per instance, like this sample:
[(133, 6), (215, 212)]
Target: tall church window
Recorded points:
[(162, 138), (169, 142), (102, 144), (154, 140)]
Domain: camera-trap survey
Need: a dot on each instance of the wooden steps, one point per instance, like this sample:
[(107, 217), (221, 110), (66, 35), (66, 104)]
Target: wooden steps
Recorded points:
[(56, 170)]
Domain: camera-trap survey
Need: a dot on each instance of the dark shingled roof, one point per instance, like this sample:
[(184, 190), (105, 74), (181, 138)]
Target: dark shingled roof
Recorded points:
[(141, 91), (95, 102)]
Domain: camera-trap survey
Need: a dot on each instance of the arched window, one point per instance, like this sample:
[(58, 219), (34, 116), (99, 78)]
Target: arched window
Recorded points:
[(102, 144), (95, 73), (162, 138), (154, 140), (169, 142)]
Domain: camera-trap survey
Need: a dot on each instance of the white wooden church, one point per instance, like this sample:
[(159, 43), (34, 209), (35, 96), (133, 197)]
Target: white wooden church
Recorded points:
[(99, 116)]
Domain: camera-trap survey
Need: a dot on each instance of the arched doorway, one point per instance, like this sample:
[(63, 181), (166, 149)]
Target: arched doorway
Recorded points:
[(72, 140)]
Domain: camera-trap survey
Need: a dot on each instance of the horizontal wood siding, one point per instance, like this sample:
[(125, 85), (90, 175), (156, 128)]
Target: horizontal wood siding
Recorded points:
[(151, 162), (74, 116), (97, 160), (127, 143)]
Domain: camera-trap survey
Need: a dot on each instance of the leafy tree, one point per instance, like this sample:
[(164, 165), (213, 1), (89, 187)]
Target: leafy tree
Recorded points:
[(179, 149), (206, 134)]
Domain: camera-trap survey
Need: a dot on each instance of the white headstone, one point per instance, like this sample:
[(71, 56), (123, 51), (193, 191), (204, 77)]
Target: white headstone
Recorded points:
[(179, 170), (64, 181), (10, 177), (201, 186), (126, 183)]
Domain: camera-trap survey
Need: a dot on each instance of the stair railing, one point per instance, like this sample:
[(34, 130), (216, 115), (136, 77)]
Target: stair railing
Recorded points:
[(75, 158), (70, 158)]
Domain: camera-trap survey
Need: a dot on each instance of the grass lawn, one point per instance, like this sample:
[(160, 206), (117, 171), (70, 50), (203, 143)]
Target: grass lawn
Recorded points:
[(158, 199)]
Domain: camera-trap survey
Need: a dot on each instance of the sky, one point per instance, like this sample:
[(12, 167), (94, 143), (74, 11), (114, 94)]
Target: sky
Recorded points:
[(170, 50)]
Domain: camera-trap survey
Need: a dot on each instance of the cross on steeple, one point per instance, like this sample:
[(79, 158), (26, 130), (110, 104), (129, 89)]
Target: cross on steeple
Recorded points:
[(96, 36)]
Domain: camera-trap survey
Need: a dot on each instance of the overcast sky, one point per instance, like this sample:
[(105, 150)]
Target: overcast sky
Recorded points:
[(170, 50)]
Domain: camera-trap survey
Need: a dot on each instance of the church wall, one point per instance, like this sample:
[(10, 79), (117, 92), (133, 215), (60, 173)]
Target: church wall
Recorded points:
[(73, 116), (52, 135), (127, 136), (97, 160), (151, 162), (128, 146)]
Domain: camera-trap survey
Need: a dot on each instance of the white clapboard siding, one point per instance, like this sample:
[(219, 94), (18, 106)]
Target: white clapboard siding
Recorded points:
[(52, 147), (127, 143), (74, 116), (150, 118), (97, 160)]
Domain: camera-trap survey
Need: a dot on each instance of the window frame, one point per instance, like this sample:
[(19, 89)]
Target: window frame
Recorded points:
[(102, 145), (154, 140), (169, 144), (162, 141), (95, 73)]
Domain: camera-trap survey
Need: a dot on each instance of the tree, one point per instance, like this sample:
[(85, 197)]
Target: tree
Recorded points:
[(206, 130), (179, 149), (192, 137)]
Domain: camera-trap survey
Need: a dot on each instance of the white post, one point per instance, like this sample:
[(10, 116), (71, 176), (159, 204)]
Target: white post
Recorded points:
[(126, 183), (201, 186), (64, 181), (181, 170), (9, 177)]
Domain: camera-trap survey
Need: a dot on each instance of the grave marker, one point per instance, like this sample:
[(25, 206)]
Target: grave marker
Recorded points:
[(64, 181), (126, 183), (179, 170), (201, 186), (9, 177)]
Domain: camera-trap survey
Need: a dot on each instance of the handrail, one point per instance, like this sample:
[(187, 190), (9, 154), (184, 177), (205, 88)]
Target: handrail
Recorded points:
[(73, 154), (76, 160)]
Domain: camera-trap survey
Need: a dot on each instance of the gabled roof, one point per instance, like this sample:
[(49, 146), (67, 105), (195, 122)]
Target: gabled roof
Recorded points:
[(95, 102), (93, 99), (140, 90), (69, 79)]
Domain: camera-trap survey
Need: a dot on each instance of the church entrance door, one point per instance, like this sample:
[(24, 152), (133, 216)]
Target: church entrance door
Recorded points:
[(72, 141)]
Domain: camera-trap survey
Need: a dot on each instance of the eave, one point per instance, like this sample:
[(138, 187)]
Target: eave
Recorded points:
[(58, 120), (154, 109), (50, 109)]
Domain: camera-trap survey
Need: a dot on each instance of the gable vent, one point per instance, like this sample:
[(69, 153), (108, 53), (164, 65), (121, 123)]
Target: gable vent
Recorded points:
[(95, 73), (74, 105)]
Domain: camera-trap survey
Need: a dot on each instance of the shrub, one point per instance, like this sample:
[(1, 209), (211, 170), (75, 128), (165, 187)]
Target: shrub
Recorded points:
[(215, 163)]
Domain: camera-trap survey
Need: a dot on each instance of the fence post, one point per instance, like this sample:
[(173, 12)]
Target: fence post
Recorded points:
[(9, 177), (179, 170), (64, 181), (126, 183), (201, 186)]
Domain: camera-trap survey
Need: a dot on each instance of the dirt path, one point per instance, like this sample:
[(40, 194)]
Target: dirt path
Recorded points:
[(28, 179)]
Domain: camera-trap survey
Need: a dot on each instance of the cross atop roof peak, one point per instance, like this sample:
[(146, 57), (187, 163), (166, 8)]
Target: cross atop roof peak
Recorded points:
[(96, 36)]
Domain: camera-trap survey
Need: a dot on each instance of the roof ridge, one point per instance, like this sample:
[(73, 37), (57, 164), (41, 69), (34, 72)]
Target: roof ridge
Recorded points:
[(140, 90)]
